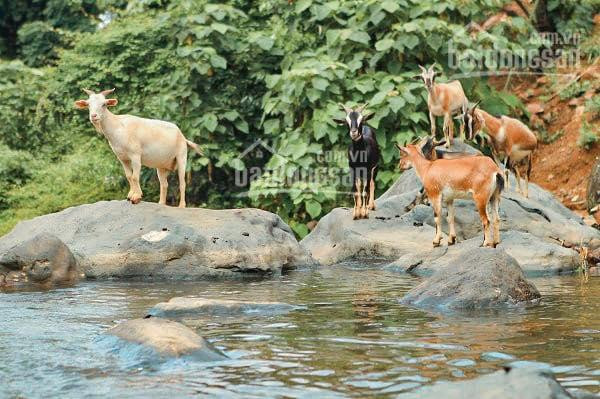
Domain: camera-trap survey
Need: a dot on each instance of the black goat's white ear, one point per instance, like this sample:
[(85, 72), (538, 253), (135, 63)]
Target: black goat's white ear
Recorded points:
[(341, 122), (368, 116)]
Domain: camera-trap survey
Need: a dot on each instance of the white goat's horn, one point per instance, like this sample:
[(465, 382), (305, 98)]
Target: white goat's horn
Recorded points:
[(88, 92), (344, 108), (362, 108), (422, 68), (431, 68), (105, 92)]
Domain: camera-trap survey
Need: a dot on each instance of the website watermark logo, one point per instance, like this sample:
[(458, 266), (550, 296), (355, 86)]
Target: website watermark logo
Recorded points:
[(539, 51)]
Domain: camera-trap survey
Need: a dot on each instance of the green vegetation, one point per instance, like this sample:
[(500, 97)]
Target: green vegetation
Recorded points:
[(228, 74)]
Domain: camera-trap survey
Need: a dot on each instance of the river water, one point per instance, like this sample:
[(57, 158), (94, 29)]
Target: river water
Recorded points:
[(353, 339)]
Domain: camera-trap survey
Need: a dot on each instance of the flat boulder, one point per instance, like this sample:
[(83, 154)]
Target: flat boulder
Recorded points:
[(535, 256), (43, 261), (163, 339), (512, 383), (188, 307), (117, 239), (481, 278)]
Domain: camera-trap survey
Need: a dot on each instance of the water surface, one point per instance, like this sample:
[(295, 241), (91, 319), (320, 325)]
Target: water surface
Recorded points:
[(354, 339)]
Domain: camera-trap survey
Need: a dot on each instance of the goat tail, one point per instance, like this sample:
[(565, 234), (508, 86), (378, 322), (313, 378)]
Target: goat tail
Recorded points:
[(529, 163), (499, 183), (195, 147)]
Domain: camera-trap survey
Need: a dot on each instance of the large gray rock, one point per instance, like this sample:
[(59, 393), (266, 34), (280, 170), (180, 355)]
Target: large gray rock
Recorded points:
[(398, 228), (166, 339), (535, 256), (188, 307), (42, 261), (118, 239), (480, 278), (512, 384)]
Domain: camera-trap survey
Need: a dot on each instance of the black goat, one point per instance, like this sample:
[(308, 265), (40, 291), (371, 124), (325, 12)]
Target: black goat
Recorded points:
[(363, 157)]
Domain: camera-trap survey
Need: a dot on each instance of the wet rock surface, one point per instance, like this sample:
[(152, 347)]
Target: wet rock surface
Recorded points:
[(165, 339), (43, 261), (187, 307), (118, 239), (480, 278), (512, 384)]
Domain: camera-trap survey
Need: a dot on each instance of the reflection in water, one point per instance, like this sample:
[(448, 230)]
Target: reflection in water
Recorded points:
[(354, 339)]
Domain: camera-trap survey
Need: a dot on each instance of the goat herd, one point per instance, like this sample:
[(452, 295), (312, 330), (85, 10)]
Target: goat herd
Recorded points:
[(445, 175)]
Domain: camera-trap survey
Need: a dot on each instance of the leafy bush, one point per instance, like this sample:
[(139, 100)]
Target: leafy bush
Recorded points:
[(39, 43), (574, 90), (90, 174), (232, 73)]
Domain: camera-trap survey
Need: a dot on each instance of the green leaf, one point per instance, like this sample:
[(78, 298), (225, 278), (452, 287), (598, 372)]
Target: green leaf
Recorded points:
[(390, 6), (360, 37), (218, 62), (313, 208), (302, 5), (265, 43), (384, 44), (320, 83), (210, 122)]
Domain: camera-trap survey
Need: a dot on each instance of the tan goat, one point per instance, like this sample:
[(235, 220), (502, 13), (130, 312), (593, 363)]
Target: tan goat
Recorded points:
[(508, 138), (443, 99), (138, 141), (448, 179)]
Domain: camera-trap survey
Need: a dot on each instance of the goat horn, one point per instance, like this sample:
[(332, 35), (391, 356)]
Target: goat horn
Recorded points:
[(362, 108), (422, 68), (105, 92), (476, 104), (431, 68), (344, 108), (88, 92)]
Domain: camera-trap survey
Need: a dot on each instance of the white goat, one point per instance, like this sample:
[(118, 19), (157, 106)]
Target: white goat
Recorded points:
[(138, 141), (444, 99)]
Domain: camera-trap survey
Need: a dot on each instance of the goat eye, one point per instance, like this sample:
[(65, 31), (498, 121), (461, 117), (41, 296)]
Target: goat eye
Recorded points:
[(103, 105)]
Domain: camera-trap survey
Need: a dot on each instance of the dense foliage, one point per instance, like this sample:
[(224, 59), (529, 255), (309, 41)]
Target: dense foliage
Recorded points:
[(230, 74)]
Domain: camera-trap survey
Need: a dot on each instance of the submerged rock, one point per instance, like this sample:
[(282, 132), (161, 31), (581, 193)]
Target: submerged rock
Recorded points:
[(167, 339), (480, 278), (190, 307), (399, 227), (118, 239), (43, 261), (504, 384)]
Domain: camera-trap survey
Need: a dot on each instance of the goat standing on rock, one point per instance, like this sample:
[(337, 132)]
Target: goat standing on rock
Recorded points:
[(507, 137), (138, 141), (448, 179), (443, 99), (363, 157)]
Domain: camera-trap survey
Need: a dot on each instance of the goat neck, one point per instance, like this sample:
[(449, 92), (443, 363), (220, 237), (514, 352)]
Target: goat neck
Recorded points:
[(421, 165), (492, 124), (107, 125)]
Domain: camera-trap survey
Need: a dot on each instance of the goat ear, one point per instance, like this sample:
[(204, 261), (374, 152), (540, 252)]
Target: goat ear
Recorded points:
[(401, 149), (368, 116), (111, 102), (438, 143), (417, 77), (81, 104), (341, 122)]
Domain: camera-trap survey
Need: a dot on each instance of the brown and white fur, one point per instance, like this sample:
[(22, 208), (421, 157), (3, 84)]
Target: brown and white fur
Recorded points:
[(448, 179), (138, 141), (443, 99), (509, 139)]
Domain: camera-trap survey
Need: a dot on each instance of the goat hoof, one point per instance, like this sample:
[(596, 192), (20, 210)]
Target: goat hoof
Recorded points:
[(136, 200), (451, 240), (436, 244)]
